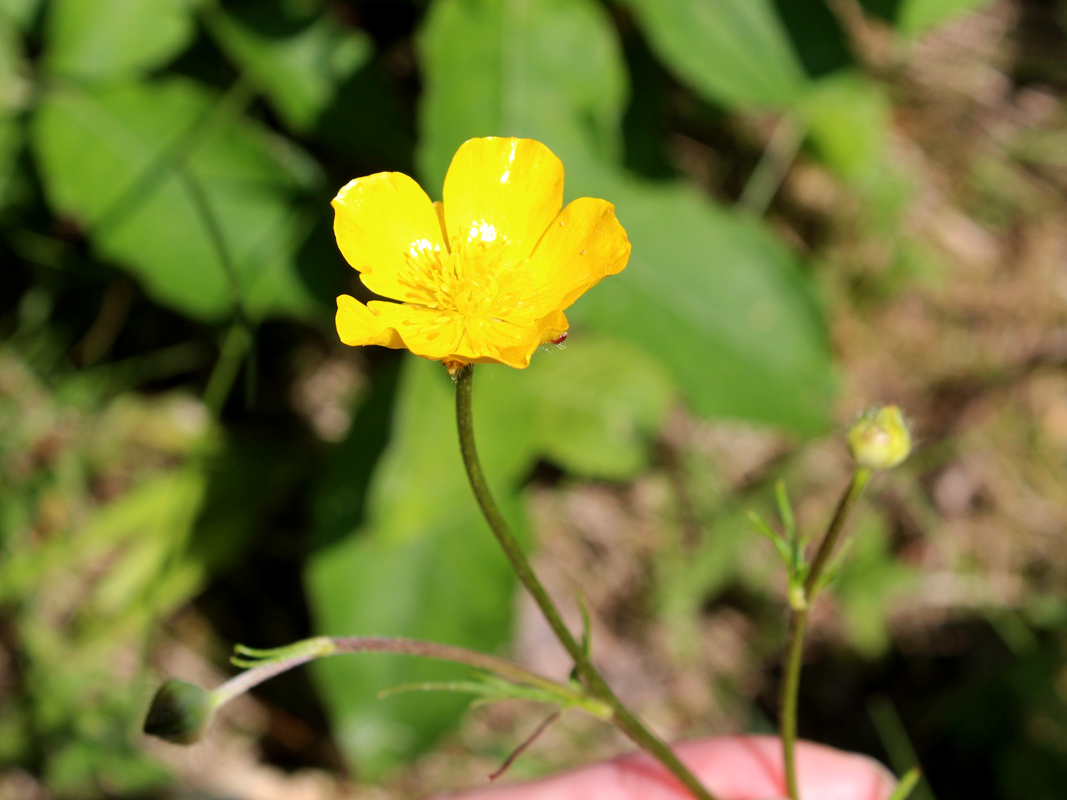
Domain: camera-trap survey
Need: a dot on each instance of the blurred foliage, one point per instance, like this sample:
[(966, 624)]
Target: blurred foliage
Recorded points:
[(99, 497), (178, 423)]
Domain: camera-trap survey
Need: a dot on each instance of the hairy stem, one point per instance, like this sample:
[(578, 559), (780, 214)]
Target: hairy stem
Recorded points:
[(265, 664), (622, 717), (798, 627)]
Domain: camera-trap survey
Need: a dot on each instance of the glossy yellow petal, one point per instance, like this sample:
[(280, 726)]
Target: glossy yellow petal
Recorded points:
[(358, 325), (483, 277), (504, 193), (439, 208), (426, 332), (524, 341), (584, 244), (552, 327), (383, 222)]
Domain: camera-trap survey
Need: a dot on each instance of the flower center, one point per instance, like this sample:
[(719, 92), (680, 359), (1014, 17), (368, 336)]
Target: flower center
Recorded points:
[(467, 281)]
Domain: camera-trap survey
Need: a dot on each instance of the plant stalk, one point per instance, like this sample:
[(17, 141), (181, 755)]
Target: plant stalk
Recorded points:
[(622, 717), (265, 664), (798, 627)]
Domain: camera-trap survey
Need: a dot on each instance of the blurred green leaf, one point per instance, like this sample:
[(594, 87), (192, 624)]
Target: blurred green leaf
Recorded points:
[(202, 205), (115, 497), (598, 402), (816, 34), (736, 52), (687, 580), (421, 476), (918, 16), (22, 13), (847, 117), (448, 584), (298, 69), (14, 94), (869, 578), (14, 82), (565, 81), (107, 39), (721, 302), (423, 565), (709, 292), (154, 522), (11, 139)]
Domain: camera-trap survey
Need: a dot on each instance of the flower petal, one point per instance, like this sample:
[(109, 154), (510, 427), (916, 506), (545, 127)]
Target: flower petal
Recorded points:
[(505, 191), (381, 222), (443, 335), (358, 325), (527, 340), (584, 244)]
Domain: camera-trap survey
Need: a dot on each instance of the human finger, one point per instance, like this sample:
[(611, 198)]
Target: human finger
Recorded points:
[(732, 767)]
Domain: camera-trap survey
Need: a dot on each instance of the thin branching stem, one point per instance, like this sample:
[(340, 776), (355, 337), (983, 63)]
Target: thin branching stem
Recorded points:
[(265, 664), (798, 626), (622, 717)]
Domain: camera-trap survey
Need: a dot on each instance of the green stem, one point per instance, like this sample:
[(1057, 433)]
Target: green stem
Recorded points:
[(798, 627), (622, 717), (234, 347), (265, 664), (773, 166), (860, 478)]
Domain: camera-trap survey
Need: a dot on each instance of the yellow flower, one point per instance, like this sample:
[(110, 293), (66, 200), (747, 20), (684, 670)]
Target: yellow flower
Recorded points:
[(483, 277)]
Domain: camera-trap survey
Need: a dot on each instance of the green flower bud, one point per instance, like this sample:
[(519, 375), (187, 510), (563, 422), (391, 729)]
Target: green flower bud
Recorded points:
[(880, 438), (180, 712)]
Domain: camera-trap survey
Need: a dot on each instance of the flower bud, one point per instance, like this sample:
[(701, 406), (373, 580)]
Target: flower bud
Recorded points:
[(180, 712), (880, 438)]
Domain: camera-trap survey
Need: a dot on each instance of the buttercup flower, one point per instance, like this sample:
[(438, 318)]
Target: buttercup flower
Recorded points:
[(483, 277)]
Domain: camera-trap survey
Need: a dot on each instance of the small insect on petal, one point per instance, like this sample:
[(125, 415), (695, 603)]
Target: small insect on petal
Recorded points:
[(560, 339)]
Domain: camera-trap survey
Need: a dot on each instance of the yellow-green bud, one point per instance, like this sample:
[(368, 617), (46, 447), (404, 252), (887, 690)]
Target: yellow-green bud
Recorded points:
[(180, 712), (880, 438)]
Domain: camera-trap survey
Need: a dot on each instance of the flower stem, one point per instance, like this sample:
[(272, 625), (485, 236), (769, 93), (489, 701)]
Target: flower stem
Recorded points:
[(860, 478), (265, 664), (798, 627), (621, 717)]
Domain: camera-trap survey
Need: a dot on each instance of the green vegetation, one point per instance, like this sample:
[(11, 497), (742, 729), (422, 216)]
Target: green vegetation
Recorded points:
[(823, 216)]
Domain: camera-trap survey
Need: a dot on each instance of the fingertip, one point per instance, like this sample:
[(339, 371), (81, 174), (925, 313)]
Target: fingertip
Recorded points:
[(731, 767)]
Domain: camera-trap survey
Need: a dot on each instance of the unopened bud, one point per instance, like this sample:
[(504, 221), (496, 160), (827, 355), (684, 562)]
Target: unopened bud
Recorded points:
[(880, 438), (180, 712)]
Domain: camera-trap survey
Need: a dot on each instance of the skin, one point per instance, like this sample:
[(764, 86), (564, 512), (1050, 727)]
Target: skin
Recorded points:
[(732, 767)]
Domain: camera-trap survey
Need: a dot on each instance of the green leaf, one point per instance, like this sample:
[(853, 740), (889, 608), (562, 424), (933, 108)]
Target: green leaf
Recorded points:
[(200, 204), (919, 16), (23, 13), (597, 404), (108, 39), (547, 69), (847, 117), (735, 52), (710, 293), (421, 478), (10, 144), (424, 564), (15, 90), (298, 69), (867, 581), (15, 85), (721, 302)]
